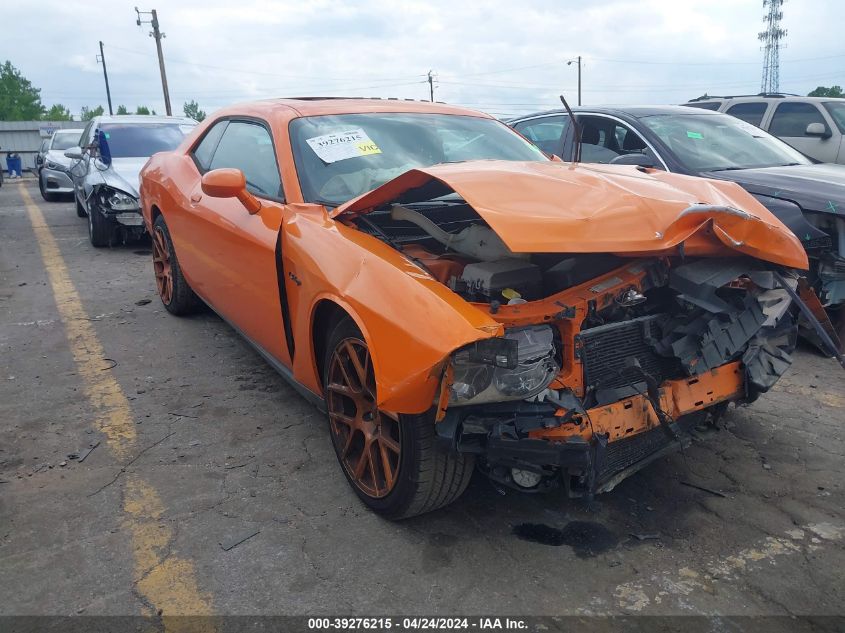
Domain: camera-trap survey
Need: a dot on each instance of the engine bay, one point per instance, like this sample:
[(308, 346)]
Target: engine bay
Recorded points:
[(622, 322), (452, 242)]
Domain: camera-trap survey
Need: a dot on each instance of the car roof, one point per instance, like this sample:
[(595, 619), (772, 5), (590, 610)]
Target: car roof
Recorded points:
[(636, 111), (145, 118), (315, 106), (763, 97)]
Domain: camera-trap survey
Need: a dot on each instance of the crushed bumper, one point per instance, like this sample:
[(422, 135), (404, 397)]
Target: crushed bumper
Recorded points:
[(589, 451)]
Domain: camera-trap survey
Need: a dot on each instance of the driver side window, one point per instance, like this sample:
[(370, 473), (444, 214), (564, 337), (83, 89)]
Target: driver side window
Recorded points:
[(243, 145), (603, 140), (545, 132)]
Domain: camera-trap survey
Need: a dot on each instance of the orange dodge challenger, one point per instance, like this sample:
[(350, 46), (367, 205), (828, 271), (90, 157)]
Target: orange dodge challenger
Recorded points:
[(454, 299)]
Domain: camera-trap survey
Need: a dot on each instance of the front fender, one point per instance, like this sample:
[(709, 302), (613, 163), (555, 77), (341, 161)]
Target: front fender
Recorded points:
[(791, 215), (410, 321)]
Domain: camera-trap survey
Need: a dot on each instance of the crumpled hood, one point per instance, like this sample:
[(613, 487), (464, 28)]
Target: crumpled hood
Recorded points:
[(124, 174), (819, 188), (547, 207)]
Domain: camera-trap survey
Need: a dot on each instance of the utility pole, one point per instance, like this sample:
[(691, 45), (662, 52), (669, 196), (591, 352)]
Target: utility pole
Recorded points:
[(771, 39), (431, 86), (577, 61), (102, 60), (158, 35)]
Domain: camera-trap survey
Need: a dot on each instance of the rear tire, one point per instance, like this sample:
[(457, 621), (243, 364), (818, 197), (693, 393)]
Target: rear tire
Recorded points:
[(423, 477), (48, 197), (173, 289)]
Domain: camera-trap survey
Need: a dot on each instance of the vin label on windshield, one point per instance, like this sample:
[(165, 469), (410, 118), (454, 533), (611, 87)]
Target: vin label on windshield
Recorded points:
[(342, 145)]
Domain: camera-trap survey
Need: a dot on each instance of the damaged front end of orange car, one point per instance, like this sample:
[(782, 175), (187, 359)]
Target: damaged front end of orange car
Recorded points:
[(635, 305), (593, 383)]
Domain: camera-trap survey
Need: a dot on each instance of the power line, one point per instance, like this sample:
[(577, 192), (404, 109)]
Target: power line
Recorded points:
[(507, 70), (551, 87), (242, 70), (711, 63), (632, 88)]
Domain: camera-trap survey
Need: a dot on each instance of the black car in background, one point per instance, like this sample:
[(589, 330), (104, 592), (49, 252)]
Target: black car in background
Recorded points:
[(809, 197)]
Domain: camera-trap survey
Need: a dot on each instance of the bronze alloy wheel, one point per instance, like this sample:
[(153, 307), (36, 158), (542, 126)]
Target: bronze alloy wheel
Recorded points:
[(161, 266), (367, 440)]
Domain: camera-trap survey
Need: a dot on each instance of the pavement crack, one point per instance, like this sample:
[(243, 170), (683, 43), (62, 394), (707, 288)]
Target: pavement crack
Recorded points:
[(129, 463)]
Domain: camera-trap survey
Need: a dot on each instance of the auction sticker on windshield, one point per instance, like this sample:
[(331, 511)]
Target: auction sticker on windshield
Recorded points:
[(342, 145)]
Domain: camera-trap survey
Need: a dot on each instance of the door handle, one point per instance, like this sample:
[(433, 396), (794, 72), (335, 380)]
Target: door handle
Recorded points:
[(196, 197)]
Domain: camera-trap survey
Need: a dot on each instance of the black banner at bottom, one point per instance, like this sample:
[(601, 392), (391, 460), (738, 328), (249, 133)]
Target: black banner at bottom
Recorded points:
[(415, 623)]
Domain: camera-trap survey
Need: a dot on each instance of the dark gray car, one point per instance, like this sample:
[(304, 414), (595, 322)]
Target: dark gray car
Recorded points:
[(106, 167), (807, 196)]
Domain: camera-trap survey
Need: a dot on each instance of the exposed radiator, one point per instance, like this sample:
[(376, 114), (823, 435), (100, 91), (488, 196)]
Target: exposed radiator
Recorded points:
[(604, 352)]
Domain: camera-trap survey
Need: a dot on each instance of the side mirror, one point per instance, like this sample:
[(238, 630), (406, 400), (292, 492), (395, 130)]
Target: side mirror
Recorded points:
[(634, 159), (75, 153), (817, 129), (230, 183)]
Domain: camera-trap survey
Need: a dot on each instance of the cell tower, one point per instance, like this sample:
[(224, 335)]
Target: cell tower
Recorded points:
[(772, 39)]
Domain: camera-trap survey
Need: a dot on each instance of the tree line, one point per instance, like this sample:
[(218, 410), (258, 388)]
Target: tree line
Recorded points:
[(21, 101)]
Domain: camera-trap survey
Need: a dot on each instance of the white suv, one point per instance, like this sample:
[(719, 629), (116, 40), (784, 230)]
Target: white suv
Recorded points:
[(812, 125)]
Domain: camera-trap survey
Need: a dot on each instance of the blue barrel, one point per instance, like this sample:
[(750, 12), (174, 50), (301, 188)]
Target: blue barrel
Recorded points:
[(14, 165)]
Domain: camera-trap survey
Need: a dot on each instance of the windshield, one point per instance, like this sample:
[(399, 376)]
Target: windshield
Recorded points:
[(339, 157), (837, 112), (717, 142), (65, 140), (140, 140)]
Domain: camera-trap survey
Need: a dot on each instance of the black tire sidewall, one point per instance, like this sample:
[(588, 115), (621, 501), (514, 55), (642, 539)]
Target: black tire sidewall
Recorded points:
[(48, 197), (396, 502), (183, 300), (100, 230)]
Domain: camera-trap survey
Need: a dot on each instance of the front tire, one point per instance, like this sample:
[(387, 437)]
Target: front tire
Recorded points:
[(173, 288), (392, 463), (48, 197), (100, 230)]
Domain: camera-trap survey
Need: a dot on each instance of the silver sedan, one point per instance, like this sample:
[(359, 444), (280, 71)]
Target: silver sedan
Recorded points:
[(54, 173)]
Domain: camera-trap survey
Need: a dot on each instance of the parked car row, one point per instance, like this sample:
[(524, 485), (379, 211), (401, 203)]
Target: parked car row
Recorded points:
[(100, 166), (454, 296)]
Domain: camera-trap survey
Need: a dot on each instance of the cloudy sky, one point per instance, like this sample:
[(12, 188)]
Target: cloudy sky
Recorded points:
[(504, 57)]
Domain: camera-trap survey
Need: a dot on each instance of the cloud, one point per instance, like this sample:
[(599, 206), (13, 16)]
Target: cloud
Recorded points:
[(496, 55)]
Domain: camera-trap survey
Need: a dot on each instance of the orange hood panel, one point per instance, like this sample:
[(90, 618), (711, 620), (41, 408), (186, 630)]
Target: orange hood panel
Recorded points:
[(547, 207)]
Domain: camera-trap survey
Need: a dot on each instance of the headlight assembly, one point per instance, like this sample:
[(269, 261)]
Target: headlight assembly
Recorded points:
[(54, 166), (515, 367), (117, 200)]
